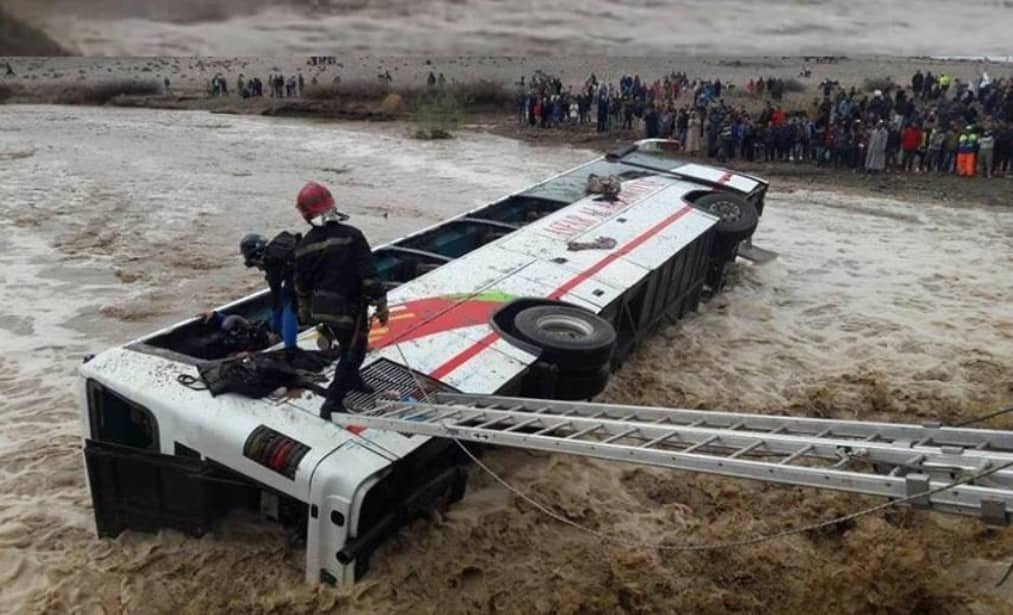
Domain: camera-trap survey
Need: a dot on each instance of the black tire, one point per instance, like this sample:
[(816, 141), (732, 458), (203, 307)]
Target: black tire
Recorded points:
[(573, 386), (570, 338), (738, 216)]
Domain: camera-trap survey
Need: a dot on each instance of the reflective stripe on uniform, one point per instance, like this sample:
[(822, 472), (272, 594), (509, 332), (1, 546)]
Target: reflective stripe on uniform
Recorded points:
[(320, 246)]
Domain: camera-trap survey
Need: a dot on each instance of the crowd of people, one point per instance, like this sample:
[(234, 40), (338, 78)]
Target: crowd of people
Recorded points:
[(278, 86), (544, 102), (936, 123)]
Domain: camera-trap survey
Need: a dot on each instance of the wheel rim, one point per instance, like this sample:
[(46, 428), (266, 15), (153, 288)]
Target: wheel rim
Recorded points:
[(558, 325), (729, 211)]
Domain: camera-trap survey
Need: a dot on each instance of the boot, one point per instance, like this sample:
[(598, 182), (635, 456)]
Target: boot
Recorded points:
[(362, 386), (331, 406)]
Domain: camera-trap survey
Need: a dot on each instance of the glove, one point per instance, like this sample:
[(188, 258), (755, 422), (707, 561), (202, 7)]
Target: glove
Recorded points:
[(382, 313)]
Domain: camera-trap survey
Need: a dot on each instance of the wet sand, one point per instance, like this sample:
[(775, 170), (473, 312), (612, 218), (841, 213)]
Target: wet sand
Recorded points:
[(877, 308)]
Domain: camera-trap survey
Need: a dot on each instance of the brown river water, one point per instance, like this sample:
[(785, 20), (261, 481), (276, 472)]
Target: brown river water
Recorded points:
[(116, 222)]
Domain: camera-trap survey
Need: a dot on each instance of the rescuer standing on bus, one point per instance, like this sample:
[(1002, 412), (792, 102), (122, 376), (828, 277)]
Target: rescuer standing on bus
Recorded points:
[(336, 282), (276, 258)]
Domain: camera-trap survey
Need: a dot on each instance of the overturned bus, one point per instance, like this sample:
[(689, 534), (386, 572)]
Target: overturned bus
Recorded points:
[(542, 293)]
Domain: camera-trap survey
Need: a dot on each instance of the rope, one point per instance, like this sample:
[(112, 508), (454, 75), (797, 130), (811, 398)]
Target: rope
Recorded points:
[(983, 418), (714, 546), (191, 382), (1009, 571)]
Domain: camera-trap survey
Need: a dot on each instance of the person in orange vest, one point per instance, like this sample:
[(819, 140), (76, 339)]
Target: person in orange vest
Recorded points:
[(962, 155), (967, 153), (972, 153)]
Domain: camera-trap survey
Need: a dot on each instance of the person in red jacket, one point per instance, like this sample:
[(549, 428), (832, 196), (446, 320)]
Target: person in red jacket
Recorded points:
[(910, 141), (779, 117)]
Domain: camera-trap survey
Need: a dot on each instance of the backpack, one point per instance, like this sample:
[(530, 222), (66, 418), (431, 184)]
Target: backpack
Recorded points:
[(258, 375), (279, 254)]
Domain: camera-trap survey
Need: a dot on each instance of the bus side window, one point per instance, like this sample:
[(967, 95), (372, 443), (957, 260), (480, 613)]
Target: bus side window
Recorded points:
[(116, 420)]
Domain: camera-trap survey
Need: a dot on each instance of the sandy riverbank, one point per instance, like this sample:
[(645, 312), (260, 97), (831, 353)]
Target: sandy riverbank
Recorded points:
[(60, 79), (190, 76)]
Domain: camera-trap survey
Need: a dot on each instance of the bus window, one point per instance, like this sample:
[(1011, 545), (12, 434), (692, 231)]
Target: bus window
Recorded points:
[(116, 420)]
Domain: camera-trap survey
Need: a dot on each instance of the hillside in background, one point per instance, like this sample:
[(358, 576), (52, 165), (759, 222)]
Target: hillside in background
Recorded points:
[(17, 38)]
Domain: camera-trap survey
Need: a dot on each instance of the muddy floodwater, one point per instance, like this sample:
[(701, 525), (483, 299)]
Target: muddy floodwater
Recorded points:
[(523, 27), (116, 222)]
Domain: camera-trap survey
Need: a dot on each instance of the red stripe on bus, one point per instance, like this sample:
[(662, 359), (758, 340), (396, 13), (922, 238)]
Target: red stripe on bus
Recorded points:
[(626, 249), (468, 353), (464, 356)]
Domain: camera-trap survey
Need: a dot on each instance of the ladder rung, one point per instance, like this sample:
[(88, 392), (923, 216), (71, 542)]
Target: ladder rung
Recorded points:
[(583, 432), (914, 461), (490, 422), (523, 423), (826, 432), (411, 416), (388, 411), (471, 414), (746, 449), (498, 407), (790, 458), (551, 428), (445, 416), (392, 413), (700, 444), (378, 410), (661, 438), (620, 435)]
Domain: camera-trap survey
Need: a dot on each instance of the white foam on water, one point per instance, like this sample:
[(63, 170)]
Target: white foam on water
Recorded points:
[(917, 296)]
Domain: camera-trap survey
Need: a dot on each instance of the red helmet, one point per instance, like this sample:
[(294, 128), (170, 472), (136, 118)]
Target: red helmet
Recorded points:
[(314, 200)]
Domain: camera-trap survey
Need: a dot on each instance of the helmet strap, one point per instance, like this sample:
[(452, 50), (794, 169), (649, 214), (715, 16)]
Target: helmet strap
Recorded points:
[(332, 215)]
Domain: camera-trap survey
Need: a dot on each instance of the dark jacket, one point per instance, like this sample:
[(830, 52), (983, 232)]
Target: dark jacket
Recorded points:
[(335, 276), (279, 262)]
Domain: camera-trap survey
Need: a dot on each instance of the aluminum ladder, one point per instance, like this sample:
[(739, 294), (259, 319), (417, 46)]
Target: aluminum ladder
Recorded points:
[(890, 460)]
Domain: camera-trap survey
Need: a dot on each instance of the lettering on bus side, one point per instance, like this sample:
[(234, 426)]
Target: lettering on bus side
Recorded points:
[(598, 210)]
